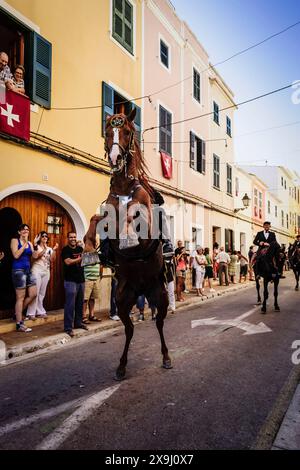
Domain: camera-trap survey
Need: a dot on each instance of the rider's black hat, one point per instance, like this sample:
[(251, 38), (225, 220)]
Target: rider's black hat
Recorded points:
[(267, 222)]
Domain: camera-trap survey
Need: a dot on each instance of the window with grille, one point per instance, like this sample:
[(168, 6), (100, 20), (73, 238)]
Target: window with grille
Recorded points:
[(123, 23)]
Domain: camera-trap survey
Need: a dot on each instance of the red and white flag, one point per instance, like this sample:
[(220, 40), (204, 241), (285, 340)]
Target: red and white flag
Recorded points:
[(166, 165), (14, 114)]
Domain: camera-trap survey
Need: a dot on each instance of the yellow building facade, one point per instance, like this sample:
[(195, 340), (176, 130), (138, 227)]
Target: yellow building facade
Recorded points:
[(82, 62)]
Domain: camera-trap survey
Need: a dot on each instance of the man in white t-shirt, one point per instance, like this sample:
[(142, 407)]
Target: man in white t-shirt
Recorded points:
[(223, 259)]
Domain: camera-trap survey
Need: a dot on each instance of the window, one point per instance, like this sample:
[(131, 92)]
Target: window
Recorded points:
[(196, 238), (237, 187), (123, 23), (196, 92), (228, 126), (216, 113), (27, 48), (165, 131), (164, 54), (282, 218), (269, 207), (284, 184), (287, 220), (197, 153), (229, 179), (298, 196), (113, 103), (216, 172), (282, 181), (54, 224), (260, 204), (255, 202), (276, 211)]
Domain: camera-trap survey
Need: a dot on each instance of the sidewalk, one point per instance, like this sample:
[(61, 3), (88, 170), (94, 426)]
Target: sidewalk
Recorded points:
[(49, 332)]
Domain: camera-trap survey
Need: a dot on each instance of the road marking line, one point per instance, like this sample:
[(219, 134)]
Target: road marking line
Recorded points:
[(249, 328), (39, 416), (57, 437)]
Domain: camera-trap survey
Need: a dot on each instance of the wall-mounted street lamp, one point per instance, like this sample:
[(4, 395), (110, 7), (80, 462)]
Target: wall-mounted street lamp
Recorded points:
[(246, 202)]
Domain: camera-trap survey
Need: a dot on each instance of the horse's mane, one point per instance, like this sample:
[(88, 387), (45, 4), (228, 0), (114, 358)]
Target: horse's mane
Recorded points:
[(140, 164)]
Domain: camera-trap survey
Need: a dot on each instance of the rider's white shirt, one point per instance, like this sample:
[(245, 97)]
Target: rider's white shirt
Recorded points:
[(266, 234)]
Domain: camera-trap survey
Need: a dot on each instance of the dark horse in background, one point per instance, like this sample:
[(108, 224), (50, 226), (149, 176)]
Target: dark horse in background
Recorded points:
[(266, 265), (294, 260), (139, 264)]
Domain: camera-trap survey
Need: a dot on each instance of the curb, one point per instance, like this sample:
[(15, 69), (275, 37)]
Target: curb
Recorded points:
[(60, 339)]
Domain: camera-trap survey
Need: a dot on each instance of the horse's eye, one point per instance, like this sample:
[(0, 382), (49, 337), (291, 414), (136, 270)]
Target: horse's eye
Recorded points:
[(127, 132)]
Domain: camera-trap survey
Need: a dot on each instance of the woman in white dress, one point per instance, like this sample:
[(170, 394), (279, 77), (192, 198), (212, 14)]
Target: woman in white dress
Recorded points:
[(200, 263), (41, 270)]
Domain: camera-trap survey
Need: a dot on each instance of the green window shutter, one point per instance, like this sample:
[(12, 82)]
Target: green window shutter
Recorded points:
[(138, 122), (123, 23), (41, 70), (107, 104)]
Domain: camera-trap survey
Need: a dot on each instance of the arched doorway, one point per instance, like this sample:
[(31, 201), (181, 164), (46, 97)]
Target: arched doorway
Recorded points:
[(40, 213)]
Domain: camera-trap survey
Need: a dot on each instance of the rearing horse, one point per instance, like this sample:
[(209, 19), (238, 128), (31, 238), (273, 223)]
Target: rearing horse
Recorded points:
[(266, 266), (139, 264)]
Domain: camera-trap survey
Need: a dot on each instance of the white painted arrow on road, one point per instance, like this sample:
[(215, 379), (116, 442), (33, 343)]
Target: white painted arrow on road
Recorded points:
[(248, 328)]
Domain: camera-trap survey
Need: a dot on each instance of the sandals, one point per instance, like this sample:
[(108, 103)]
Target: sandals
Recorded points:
[(85, 321), (94, 319)]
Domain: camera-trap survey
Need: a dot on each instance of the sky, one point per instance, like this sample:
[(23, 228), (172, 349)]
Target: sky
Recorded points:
[(225, 27)]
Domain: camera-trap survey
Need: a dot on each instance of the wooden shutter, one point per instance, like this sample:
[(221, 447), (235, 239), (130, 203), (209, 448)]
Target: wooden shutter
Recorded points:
[(203, 155), (41, 70), (107, 104), (192, 150), (138, 122)]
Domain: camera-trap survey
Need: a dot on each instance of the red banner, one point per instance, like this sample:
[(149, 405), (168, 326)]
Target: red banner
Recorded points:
[(166, 165), (15, 114)]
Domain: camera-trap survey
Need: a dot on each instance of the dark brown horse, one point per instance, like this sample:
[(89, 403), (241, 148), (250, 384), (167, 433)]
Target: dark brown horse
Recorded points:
[(139, 265)]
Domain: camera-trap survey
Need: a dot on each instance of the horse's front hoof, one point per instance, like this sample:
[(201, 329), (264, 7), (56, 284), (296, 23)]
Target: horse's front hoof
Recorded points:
[(263, 310), (167, 364), (296, 288), (258, 302), (277, 309), (120, 375)]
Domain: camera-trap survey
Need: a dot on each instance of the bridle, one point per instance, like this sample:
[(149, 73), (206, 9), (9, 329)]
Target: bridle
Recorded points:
[(117, 123)]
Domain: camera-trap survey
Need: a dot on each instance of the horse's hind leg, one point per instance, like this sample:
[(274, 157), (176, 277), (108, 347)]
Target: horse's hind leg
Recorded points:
[(266, 295), (276, 306), (297, 279), (162, 308), (124, 306), (258, 290)]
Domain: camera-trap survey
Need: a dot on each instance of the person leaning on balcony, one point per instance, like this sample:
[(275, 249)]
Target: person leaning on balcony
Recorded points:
[(223, 259), (5, 73), (18, 85)]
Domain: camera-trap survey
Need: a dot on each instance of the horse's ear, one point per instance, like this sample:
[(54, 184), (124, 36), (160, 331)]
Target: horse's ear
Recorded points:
[(131, 115)]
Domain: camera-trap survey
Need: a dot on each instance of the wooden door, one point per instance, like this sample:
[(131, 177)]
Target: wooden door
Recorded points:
[(40, 213)]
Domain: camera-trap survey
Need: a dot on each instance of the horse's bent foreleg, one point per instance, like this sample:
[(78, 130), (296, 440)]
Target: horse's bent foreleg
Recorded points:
[(90, 236)]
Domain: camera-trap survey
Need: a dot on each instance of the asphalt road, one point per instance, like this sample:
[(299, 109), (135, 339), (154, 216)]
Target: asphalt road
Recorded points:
[(219, 394)]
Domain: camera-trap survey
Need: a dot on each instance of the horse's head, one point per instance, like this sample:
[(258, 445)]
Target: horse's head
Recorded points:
[(119, 140)]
